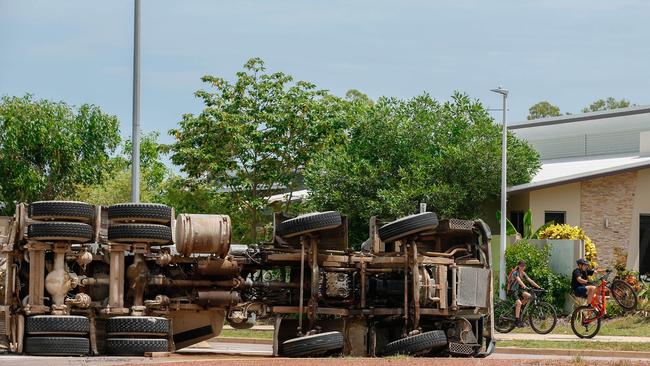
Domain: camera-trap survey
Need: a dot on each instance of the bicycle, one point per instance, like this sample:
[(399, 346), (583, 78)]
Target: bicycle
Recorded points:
[(541, 315), (586, 319)]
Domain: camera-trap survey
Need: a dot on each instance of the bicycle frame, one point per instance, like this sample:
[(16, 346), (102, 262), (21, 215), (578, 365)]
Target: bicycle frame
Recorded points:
[(599, 301)]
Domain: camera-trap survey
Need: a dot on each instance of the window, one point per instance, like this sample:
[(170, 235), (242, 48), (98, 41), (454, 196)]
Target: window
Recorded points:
[(517, 220), (559, 217)]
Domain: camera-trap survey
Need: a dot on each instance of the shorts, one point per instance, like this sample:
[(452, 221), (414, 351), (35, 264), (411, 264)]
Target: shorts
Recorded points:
[(580, 291), (517, 294)]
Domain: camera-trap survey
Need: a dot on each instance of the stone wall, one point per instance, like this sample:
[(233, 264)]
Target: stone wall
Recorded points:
[(610, 198)]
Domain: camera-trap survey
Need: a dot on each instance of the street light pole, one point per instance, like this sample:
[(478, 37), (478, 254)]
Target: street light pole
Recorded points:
[(502, 232), (135, 134)]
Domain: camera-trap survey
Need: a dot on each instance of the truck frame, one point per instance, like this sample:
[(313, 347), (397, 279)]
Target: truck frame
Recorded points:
[(127, 279)]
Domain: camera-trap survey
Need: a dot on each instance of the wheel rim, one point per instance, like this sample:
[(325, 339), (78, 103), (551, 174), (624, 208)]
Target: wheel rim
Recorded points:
[(624, 295), (542, 318), (502, 323), (585, 322)]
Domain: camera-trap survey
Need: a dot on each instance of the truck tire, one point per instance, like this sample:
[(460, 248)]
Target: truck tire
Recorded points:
[(408, 225), (140, 213), (57, 324), (140, 233), (57, 346), (137, 325), (135, 346), (307, 223), (313, 345), (416, 343), (66, 231), (61, 211)]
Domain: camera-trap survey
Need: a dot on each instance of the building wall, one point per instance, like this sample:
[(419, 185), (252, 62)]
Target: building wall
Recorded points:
[(609, 198), (641, 206), (561, 198)]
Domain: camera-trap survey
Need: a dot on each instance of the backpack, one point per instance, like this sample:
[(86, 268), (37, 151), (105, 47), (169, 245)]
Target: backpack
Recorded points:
[(511, 278)]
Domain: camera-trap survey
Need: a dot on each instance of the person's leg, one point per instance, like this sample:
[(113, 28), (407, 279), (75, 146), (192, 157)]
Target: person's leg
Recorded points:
[(525, 298), (591, 291), (517, 309)]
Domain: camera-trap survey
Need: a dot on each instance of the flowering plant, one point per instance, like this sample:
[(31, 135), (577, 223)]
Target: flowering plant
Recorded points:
[(565, 231)]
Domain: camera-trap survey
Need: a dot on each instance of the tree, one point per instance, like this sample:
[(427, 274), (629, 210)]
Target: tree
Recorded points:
[(255, 135), (543, 109), (402, 152), (115, 185), (606, 104), (48, 148)]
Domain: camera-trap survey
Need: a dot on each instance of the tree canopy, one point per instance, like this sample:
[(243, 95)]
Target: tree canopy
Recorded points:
[(401, 152), (543, 109), (48, 148), (606, 104), (255, 135)]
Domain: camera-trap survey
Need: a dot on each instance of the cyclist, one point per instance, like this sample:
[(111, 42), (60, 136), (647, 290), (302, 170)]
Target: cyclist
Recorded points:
[(517, 287), (580, 282)]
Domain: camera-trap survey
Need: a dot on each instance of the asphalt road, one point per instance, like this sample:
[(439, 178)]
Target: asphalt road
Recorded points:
[(207, 353)]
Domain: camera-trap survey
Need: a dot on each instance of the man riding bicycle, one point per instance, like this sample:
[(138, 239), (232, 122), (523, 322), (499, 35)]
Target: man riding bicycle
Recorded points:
[(580, 281), (517, 287)]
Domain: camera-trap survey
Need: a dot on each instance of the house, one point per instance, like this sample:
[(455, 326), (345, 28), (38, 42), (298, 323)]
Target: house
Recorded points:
[(596, 174)]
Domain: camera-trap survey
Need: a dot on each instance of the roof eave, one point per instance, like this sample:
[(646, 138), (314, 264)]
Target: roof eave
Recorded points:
[(578, 177)]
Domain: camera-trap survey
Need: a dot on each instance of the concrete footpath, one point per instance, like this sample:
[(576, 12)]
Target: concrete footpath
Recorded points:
[(567, 338), (524, 336)]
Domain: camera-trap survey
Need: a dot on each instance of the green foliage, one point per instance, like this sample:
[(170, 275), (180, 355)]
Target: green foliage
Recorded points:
[(115, 185), (537, 268), (606, 104), (543, 109), (255, 135), (48, 148), (401, 152)]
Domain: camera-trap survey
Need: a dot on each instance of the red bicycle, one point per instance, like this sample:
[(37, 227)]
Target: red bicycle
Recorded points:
[(586, 319)]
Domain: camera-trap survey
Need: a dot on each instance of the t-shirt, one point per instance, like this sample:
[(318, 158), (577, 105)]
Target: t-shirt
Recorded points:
[(514, 284), (577, 273)]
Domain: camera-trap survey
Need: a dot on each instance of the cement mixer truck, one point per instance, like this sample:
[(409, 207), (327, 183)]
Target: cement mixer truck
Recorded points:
[(135, 278)]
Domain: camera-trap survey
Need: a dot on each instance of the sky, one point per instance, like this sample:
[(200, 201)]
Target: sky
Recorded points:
[(567, 52)]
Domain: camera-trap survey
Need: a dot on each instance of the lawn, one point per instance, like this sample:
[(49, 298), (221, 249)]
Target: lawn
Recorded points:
[(622, 326), (579, 345), (246, 333)]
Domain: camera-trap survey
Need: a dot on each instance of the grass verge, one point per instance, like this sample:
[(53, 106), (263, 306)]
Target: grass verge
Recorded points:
[(580, 345), (623, 326), (246, 333)]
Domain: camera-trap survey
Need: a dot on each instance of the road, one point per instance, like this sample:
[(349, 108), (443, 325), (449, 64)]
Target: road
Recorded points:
[(209, 353)]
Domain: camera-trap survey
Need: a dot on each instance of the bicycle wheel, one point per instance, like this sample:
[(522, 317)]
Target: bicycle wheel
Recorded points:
[(585, 322), (504, 320), (624, 294), (542, 317)]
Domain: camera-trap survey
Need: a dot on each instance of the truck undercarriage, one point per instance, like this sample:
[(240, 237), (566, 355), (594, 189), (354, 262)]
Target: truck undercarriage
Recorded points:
[(132, 278)]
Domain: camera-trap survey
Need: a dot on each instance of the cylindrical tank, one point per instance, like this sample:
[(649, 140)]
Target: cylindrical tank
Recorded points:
[(209, 234)]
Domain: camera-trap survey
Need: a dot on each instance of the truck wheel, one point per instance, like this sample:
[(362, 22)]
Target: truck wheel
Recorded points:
[(140, 233), (61, 211), (57, 324), (57, 346), (137, 325), (140, 212), (67, 231), (307, 223), (416, 343), (313, 345), (408, 225), (135, 346)]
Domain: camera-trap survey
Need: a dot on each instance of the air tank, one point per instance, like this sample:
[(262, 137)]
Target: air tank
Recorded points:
[(204, 234)]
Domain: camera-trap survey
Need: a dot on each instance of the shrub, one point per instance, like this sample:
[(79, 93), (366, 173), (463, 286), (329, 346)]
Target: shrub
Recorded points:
[(565, 231), (537, 267)]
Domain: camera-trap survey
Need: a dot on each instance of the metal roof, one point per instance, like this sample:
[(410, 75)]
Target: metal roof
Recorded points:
[(563, 171)]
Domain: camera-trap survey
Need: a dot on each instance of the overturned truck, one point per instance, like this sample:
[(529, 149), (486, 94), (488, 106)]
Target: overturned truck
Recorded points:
[(129, 279)]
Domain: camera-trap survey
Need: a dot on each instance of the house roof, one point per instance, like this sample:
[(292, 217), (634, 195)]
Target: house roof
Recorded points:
[(571, 118), (563, 171)]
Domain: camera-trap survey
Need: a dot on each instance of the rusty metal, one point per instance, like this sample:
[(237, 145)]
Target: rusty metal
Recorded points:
[(36, 252), (208, 234), (301, 308), (217, 297)]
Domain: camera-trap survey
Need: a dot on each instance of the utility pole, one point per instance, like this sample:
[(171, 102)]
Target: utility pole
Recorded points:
[(135, 134), (502, 232)]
